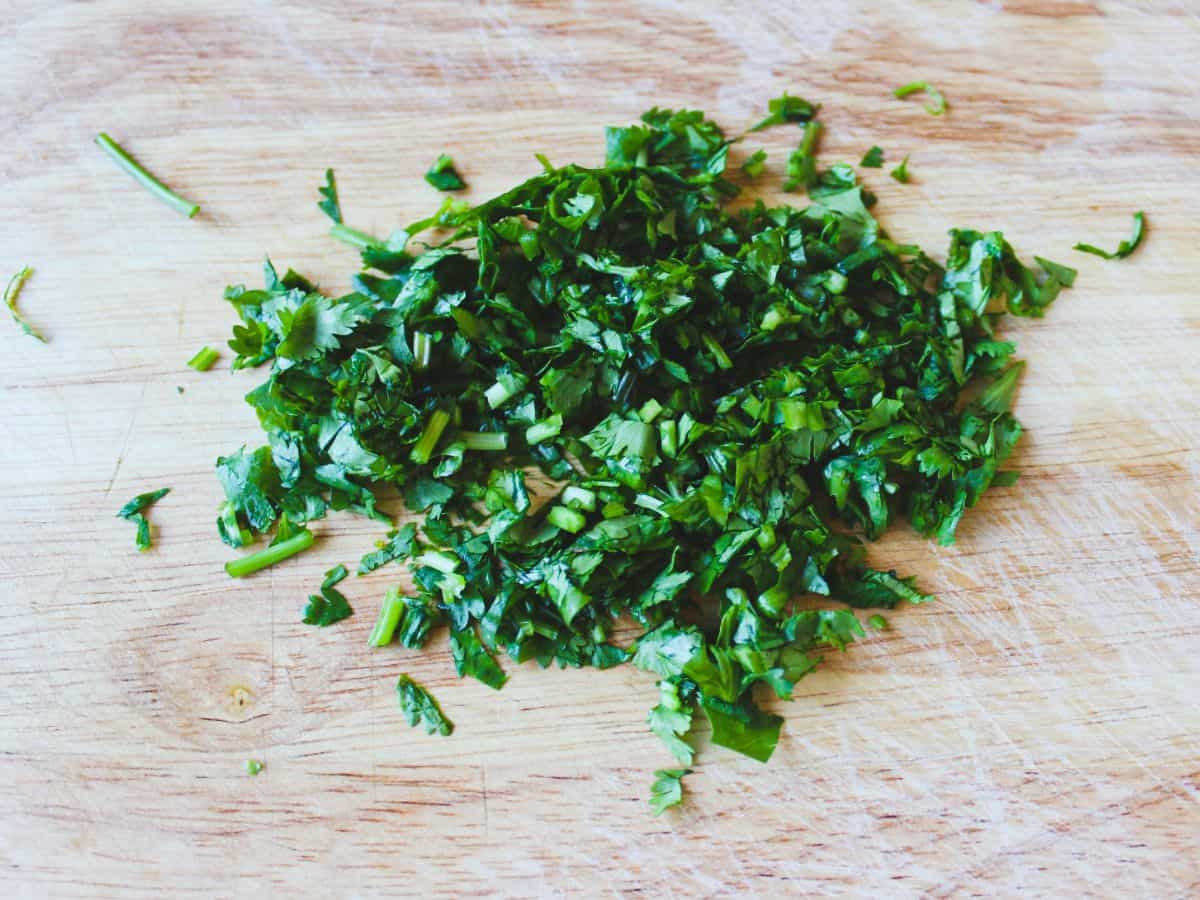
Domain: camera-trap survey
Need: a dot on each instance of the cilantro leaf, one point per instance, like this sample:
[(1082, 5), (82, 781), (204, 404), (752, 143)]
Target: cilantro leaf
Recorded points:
[(900, 173), (329, 202), (133, 512), (1125, 247), (443, 176), (786, 108), (667, 789), (420, 708), (397, 547), (873, 159), (330, 605), (11, 292)]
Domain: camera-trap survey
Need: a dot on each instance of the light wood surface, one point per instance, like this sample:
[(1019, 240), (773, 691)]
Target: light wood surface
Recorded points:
[(1033, 732)]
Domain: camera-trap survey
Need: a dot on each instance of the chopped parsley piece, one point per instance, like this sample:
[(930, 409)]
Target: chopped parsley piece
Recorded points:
[(443, 176), (328, 203), (1125, 247), (786, 109), (873, 159), (756, 163), (134, 511), (11, 292), (144, 178), (254, 766), (937, 103), (802, 164), (667, 789), (204, 359), (419, 708), (900, 173)]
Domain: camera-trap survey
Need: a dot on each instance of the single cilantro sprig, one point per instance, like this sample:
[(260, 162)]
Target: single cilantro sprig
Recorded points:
[(148, 181), (11, 292), (134, 511), (937, 103), (1125, 247)]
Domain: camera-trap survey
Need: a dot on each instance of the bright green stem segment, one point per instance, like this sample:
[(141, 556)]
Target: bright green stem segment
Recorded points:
[(354, 237), (247, 565), (148, 181), (203, 361), (567, 519), (422, 350), (483, 440), (389, 618), (430, 436)]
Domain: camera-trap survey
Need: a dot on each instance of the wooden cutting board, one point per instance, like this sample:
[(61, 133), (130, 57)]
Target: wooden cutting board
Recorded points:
[(1035, 731)]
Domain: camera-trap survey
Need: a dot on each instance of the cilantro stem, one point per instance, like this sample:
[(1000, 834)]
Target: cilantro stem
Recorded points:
[(354, 237), (575, 497), (148, 181), (503, 391), (567, 519), (10, 300), (204, 359), (483, 440), (437, 423), (422, 350), (718, 352), (389, 618), (240, 568)]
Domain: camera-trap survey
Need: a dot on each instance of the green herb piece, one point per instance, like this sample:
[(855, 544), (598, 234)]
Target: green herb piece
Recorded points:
[(355, 238), (873, 159), (667, 789), (443, 176), (878, 622), (786, 109), (254, 766), (11, 292), (327, 607), (615, 393), (802, 164), (248, 565), (148, 181), (328, 203), (937, 103), (420, 708), (755, 164), (1125, 247), (133, 511), (204, 359), (900, 173)]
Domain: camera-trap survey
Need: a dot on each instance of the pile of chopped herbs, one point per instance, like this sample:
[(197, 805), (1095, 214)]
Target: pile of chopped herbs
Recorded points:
[(605, 395)]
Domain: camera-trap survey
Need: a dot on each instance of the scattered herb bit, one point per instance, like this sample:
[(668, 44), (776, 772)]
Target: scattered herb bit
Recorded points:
[(443, 176), (667, 789), (330, 605), (607, 393), (420, 708), (1125, 247), (11, 292), (133, 511), (204, 359), (179, 388), (247, 565), (786, 109), (354, 237), (937, 103), (873, 159), (878, 622), (802, 164), (756, 163), (148, 181), (253, 766), (900, 173), (328, 203)]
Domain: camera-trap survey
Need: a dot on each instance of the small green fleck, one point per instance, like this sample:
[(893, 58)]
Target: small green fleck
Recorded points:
[(878, 622), (148, 181), (254, 766), (443, 176), (900, 173), (937, 103), (873, 159)]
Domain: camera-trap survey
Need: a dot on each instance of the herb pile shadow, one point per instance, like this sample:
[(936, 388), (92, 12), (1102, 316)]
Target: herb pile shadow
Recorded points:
[(726, 402)]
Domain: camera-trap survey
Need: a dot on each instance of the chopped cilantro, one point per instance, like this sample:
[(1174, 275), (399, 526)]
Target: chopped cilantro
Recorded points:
[(873, 158), (1125, 247), (900, 173), (786, 108), (133, 511), (144, 178), (204, 359), (756, 163), (667, 789), (419, 708), (328, 203), (443, 176), (937, 103), (254, 766), (11, 292)]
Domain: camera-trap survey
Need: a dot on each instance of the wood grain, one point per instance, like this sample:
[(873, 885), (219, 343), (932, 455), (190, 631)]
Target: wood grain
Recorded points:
[(1035, 732)]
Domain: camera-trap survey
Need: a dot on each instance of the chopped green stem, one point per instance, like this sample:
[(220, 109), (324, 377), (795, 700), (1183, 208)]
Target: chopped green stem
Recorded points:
[(567, 519), (240, 568), (718, 352), (650, 410), (203, 361), (11, 292), (437, 423), (389, 618), (152, 184), (575, 497), (544, 430), (436, 559), (668, 433), (503, 391), (483, 440), (354, 237), (422, 350)]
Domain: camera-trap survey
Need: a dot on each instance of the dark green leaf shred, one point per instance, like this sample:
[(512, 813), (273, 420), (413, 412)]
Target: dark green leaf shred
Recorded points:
[(1125, 247)]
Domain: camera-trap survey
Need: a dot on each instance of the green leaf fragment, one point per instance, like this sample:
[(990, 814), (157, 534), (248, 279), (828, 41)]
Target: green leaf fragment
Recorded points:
[(1124, 248), (667, 790), (936, 104), (420, 708), (11, 292)]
